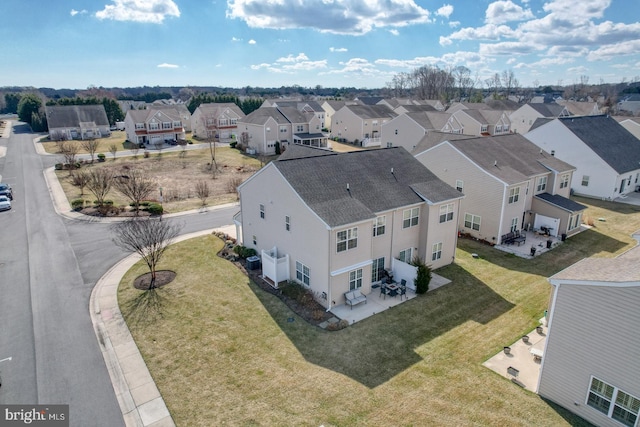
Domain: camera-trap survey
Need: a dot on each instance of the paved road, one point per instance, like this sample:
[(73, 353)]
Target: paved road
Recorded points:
[(48, 267)]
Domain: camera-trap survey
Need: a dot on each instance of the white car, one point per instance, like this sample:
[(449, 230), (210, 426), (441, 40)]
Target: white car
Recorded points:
[(5, 203)]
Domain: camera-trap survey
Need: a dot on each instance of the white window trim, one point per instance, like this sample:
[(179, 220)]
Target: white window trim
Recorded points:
[(542, 184), (448, 213), (413, 218), (355, 279), (613, 401), (514, 195), (436, 251), (472, 221), (410, 251), (350, 236), (300, 270), (379, 223)]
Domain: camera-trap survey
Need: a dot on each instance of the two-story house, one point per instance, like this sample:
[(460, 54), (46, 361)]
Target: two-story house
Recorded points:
[(77, 122), (153, 126), (216, 120), (605, 154), (483, 122), (408, 129), (360, 123), (523, 118), (590, 364), (509, 184), (335, 221)]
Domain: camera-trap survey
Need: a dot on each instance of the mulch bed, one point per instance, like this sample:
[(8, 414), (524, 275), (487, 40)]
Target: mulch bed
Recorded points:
[(163, 278)]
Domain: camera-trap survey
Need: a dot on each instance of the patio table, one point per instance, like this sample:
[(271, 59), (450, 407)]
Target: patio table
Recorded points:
[(393, 289)]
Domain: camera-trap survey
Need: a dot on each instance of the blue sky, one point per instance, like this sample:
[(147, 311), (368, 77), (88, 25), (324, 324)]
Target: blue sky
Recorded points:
[(331, 43)]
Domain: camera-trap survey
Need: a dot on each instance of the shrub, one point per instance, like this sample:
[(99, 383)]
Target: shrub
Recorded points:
[(244, 252), (59, 166), (233, 144), (101, 157), (77, 204), (146, 154), (423, 277), (155, 209)]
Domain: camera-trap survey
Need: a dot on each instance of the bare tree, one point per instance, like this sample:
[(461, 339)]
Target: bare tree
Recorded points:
[(135, 150), (509, 82), (80, 179), (136, 186), (99, 183), (91, 145), (212, 151), (113, 149), (202, 190), (149, 238), (159, 146), (69, 152)]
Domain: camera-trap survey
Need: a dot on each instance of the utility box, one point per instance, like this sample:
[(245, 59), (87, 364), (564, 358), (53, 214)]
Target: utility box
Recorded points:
[(253, 262)]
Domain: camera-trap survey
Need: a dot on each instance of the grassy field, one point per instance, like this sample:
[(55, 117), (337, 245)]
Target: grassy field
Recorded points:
[(177, 176), (116, 138), (223, 352)]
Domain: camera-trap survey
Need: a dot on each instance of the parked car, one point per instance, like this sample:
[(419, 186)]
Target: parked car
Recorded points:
[(5, 203), (5, 190)]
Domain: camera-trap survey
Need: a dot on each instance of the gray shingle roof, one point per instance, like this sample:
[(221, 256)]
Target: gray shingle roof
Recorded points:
[(547, 110), (608, 139), (561, 202), (321, 181), (297, 151), (511, 158), (262, 114), (69, 116), (371, 111)]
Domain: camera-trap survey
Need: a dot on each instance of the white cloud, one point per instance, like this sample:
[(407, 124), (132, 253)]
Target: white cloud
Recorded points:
[(454, 24), (252, 41), (394, 32), (291, 58), (76, 12), (235, 39), (614, 50), (503, 11), (166, 65), (151, 11), (486, 32), (338, 49), (291, 64), (355, 17), (446, 11)]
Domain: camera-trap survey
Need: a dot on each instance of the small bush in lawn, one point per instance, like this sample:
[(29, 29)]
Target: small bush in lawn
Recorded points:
[(155, 209), (77, 204), (101, 157), (423, 277), (292, 290), (244, 252), (233, 144), (59, 166)]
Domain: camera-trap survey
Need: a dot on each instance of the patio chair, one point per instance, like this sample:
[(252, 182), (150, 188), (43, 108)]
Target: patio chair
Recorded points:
[(403, 283), (383, 290), (402, 291)]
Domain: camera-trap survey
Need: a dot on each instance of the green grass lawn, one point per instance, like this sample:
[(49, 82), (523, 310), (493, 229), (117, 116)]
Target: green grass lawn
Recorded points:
[(223, 352)]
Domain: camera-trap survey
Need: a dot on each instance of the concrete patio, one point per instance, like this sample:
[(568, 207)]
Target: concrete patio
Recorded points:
[(521, 359), (534, 240), (377, 303)]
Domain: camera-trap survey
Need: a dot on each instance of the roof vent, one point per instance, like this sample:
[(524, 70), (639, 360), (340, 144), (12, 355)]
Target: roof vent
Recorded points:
[(495, 163), (553, 152)]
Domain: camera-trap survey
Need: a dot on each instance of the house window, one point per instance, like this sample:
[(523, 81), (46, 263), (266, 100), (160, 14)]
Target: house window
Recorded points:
[(564, 181), (472, 221), (585, 180), (302, 273), (436, 252), (484, 128), (389, 144), (287, 223), (299, 128), (347, 239), (498, 128), (139, 125), (177, 124), (167, 125), (514, 225), (446, 212), (234, 121), (262, 211), (153, 126), (379, 225), (377, 270), (396, 131), (283, 129), (459, 185), (405, 255), (542, 184), (255, 240), (514, 194), (613, 402), (410, 217), (574, 221), (355, 279)]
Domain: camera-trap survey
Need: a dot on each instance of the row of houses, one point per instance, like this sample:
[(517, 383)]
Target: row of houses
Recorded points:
[(341, 221)]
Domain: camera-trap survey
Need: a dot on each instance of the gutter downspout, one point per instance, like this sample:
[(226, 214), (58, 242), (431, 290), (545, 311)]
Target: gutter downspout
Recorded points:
[(556, 289), (329, 277)]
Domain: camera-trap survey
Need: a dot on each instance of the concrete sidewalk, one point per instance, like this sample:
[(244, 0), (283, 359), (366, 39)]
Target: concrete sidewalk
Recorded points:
[(137, 393)]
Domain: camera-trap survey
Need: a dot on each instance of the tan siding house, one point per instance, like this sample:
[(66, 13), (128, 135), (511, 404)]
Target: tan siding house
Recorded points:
[(509, 185), (591, 362), (338, 219)]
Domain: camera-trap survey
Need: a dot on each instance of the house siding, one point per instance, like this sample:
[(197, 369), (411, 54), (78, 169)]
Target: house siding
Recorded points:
[(593, 331), (554, 136), (305, 226), (483, 193), (409, 133)]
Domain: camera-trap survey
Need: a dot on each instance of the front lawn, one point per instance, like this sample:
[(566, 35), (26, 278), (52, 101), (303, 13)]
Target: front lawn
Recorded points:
[(224, 352)]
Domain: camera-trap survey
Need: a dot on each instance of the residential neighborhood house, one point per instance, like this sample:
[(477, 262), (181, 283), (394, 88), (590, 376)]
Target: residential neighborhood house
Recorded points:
[(523, 118), (360, 124), (152, 126), (590, 363), (630, 104), (335, 221), (605, 154), (67, 122), (408, 129), (216, 120), (509, 185)]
